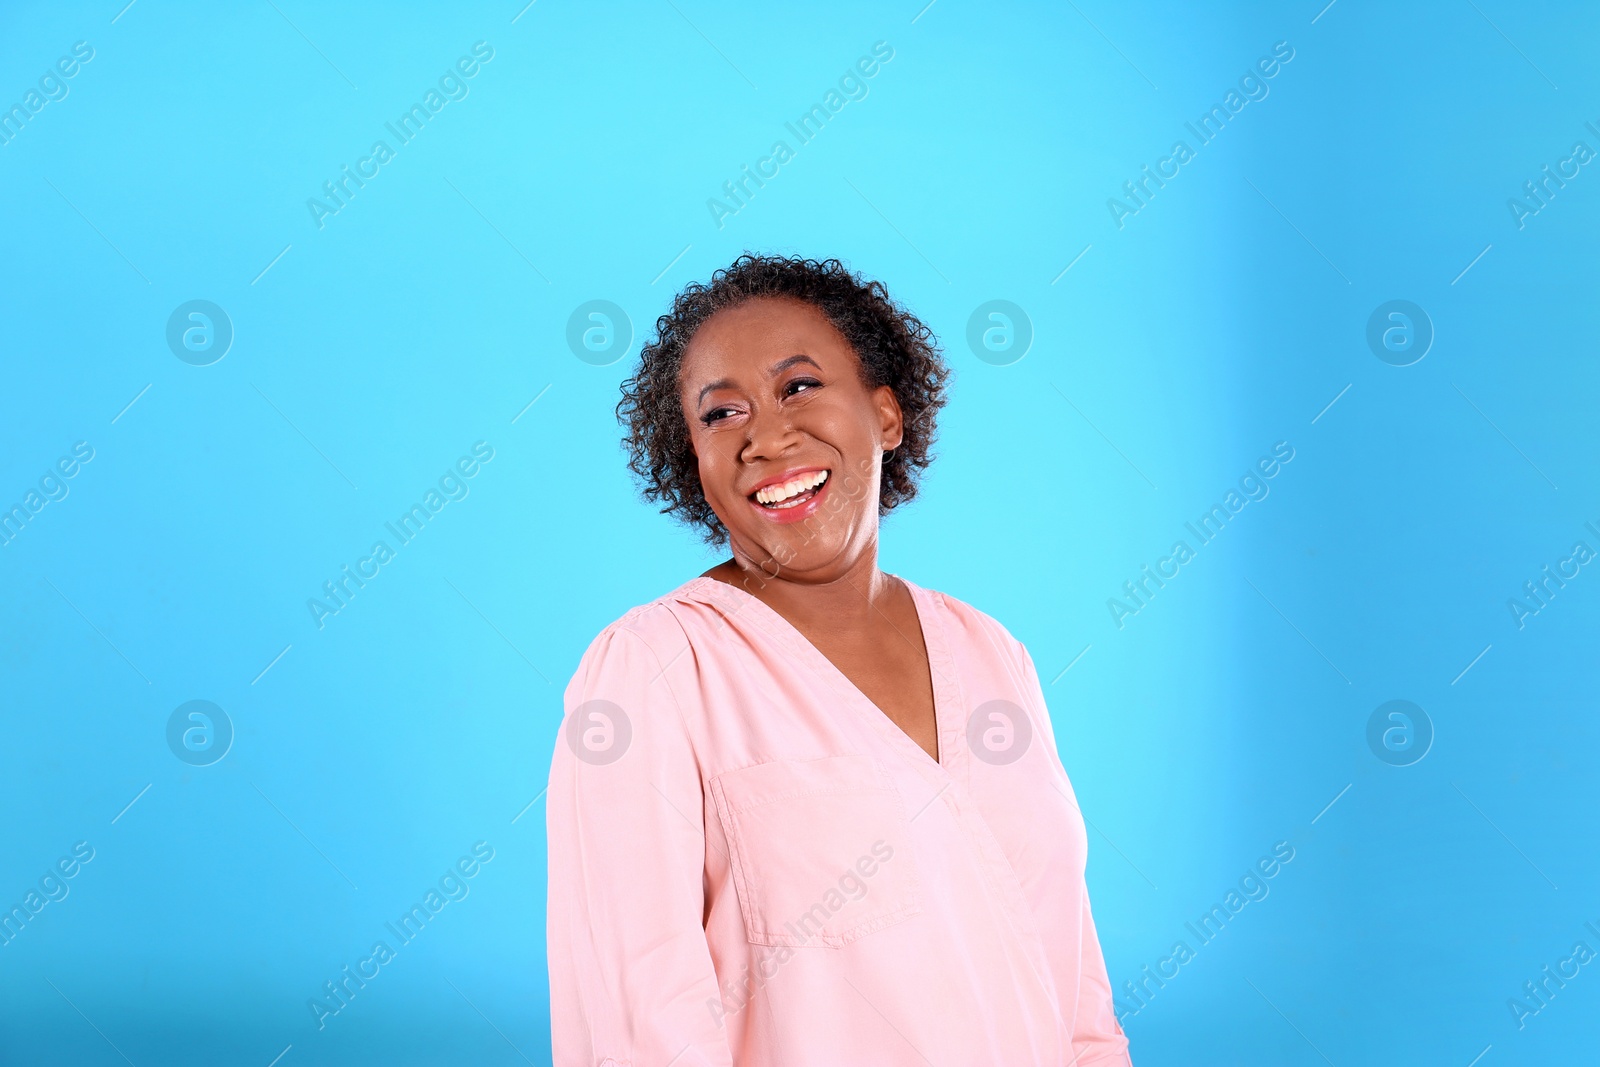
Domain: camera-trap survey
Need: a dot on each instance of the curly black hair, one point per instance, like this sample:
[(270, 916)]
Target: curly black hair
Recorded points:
[(895, 349)]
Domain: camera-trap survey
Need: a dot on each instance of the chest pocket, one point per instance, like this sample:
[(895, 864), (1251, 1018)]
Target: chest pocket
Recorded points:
[(820, 849)]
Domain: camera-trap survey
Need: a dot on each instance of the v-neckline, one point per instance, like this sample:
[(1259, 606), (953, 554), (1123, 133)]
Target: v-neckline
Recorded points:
[(940, 669)]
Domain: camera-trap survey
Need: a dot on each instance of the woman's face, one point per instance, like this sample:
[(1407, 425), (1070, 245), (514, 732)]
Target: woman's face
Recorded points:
[(789, 439)]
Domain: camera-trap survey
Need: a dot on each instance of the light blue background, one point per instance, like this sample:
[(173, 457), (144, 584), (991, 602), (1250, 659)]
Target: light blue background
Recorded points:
[(429, 312)]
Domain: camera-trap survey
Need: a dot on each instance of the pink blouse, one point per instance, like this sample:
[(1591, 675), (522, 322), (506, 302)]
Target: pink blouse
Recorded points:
[(751, 864)]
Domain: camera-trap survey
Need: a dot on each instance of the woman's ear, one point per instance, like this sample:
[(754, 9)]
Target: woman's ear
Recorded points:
[(891, 423)]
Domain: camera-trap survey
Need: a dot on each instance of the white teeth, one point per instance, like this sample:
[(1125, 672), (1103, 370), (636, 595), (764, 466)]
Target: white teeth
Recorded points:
[(776, 494)]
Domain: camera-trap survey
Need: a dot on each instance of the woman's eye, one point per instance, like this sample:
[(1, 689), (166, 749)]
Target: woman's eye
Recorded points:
[(802, 383), (716, 415)]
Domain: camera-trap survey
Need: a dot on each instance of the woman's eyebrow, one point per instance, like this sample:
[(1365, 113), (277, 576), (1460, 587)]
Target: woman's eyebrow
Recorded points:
[(720, 383), (776, 369), (784, 364)]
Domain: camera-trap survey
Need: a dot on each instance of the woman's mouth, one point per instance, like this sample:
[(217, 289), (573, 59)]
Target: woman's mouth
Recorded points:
[(788, 499)]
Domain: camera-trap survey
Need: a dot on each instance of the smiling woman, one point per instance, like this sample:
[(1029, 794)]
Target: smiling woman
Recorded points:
[(733, 745)]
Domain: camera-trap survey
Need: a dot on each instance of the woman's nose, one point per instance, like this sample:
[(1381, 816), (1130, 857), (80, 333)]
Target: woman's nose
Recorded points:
[(770, 434)]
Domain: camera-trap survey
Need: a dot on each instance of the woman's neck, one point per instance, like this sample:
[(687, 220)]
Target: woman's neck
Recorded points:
[(845, 598)]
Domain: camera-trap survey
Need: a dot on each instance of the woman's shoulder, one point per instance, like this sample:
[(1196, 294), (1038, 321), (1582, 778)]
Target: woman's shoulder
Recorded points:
[(651, 618), (989, 649), (970, 626), (964, 613), (661, 625), (630, 652)]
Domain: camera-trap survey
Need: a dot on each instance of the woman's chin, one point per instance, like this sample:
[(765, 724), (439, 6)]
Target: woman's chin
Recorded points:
[(808, 555)]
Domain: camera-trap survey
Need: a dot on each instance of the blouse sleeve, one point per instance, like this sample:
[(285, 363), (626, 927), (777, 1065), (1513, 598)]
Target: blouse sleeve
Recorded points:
[(631, 976), (1097, 1038)]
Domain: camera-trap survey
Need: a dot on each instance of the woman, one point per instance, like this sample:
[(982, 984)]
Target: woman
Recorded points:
[(805, 812)]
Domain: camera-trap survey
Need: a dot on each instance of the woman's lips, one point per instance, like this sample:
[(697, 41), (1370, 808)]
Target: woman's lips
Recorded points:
[(800, 503)]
